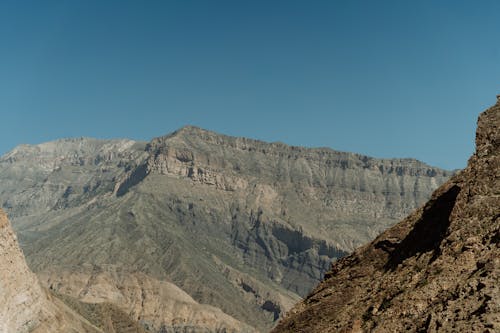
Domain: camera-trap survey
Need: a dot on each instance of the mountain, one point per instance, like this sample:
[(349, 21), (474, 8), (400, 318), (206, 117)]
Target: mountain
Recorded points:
[(438, 270), (233, 230)]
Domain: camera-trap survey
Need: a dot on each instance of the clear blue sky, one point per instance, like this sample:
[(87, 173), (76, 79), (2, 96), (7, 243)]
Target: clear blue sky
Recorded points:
[(382, 78)]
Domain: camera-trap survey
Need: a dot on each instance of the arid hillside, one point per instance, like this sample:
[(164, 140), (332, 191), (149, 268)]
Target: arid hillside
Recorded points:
[(233, 231), (436, 271), (27, 307)]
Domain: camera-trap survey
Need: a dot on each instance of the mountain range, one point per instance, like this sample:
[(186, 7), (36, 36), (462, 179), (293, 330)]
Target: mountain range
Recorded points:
[(197, 231)]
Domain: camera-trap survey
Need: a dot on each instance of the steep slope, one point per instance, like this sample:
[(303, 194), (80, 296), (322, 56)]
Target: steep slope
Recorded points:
[(26, 306), (246, 226), (350, 197), (436, 271)]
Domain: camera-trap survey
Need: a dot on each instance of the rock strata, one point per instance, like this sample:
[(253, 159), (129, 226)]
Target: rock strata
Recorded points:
[(438, 270), (242, 225)]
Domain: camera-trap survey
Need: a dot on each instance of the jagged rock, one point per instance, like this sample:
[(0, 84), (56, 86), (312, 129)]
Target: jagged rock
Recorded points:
[(436, 271)]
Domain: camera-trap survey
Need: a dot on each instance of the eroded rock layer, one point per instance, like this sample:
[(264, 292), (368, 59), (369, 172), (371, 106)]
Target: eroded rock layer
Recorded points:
[(241, 225)]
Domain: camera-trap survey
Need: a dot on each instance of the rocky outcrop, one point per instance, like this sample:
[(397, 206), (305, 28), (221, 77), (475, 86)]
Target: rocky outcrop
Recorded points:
[(246, 226), (22, 295), (436, 271), (26, 306)]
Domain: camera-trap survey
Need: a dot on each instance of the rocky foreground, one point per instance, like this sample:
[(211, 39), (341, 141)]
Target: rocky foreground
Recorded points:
[(436, 271)]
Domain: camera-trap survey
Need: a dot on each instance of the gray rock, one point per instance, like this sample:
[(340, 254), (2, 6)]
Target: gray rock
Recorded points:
[(243, 225)]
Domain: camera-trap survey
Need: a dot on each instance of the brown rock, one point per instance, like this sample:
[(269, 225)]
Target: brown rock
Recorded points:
[(436, 271)]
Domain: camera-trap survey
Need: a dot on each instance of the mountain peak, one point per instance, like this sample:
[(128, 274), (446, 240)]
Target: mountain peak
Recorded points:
[(190, 129), (189, 133)]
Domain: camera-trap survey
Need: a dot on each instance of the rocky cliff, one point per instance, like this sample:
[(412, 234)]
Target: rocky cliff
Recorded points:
[(242, 225), (436, 271), (26, 306)]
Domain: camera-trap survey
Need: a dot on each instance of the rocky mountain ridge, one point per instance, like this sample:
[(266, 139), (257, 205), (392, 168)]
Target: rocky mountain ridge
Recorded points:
[(348, 185), (246, 226), (438, 270)]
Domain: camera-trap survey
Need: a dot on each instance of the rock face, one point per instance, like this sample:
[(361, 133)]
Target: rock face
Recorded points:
[(26, 306), (20, 289), (242, 225), (436, 271)]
